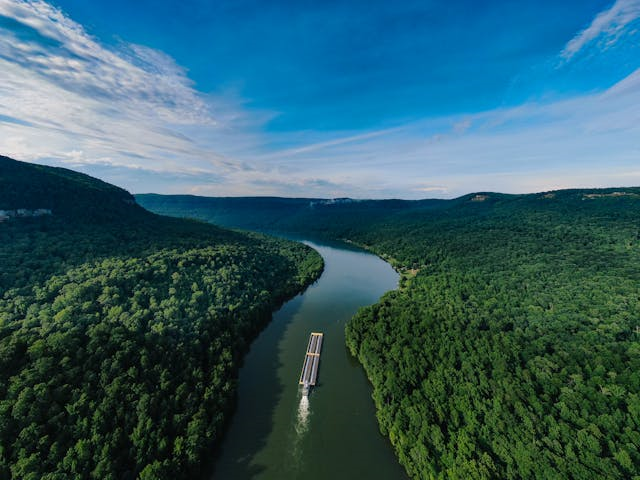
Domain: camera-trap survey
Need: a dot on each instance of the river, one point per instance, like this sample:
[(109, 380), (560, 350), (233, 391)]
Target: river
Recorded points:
[(277, 434)]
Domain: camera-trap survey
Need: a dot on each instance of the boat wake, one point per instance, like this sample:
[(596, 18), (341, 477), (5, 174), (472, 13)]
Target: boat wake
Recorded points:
[(302, 425)]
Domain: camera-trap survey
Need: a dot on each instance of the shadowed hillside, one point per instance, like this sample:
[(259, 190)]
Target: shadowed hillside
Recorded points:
[(68, 194)]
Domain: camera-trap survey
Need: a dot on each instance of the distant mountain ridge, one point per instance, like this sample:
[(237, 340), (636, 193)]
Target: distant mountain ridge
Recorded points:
[(296, 215), (274, 213)]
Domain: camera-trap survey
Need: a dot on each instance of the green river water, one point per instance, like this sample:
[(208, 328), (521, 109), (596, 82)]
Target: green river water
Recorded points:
[(277, 434)]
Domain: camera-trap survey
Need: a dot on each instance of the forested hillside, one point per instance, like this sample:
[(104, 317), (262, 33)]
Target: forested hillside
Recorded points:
[(121, 332), (512, 348)]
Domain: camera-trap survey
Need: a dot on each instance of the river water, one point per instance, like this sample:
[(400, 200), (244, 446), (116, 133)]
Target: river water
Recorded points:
[(277, 434)]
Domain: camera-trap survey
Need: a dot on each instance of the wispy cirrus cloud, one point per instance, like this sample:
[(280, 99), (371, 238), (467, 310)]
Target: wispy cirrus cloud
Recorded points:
[(608, 24), (589, 140), (83, 102), (135, 76)]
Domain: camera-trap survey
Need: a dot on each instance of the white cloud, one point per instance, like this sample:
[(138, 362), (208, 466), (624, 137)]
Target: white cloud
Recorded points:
[(136, 76), (322, 145), (608, 23), (126, 106)]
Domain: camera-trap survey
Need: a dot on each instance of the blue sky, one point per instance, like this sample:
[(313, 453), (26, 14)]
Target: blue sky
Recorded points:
[(365, 99)]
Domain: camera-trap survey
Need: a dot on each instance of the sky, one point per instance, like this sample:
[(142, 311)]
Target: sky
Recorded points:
[(365, 99)]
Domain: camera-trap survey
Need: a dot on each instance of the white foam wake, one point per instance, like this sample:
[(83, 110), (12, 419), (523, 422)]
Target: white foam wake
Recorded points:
[(303, 416)]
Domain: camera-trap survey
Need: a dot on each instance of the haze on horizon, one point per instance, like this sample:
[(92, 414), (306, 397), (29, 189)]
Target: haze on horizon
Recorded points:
[(370, 99)]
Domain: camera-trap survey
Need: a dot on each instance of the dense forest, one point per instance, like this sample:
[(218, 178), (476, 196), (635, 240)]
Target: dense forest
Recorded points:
[(512, 348), (121, 331)]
